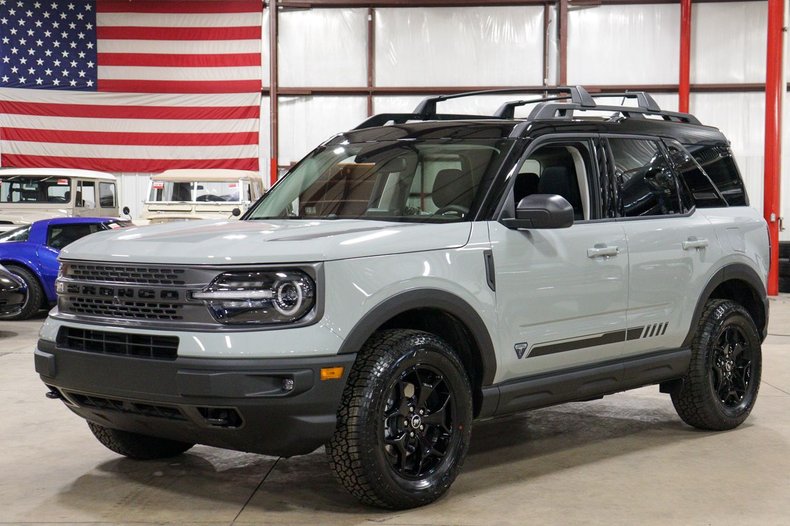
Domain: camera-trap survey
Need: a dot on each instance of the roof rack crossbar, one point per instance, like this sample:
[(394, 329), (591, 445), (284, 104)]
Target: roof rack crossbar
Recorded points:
[(644, 100), (579, 95), (549, 110)]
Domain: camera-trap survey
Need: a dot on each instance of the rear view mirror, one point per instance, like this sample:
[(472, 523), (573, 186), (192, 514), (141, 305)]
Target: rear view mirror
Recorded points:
[(236, 212), (126, 211), (542, 211)]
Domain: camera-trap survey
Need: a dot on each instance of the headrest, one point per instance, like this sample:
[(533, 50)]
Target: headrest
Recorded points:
[(452, 186)]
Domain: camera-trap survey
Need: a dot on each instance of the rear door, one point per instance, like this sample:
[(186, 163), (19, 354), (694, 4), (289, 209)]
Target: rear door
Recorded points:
[(671, 247), (561, 293)]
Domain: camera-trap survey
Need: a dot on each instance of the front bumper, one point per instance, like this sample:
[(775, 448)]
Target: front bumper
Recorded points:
[(240, 404)]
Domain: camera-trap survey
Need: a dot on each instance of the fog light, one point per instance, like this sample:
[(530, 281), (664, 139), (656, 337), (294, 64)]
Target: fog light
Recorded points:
[(288, 384)]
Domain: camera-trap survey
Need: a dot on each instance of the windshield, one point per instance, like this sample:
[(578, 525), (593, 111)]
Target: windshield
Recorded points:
[(196, 192), (19, 189), (395, 180)]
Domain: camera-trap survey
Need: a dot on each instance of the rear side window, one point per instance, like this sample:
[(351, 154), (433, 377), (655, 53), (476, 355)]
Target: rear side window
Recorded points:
[(646, 184), (718, 163), (59, 236), (704, 192)]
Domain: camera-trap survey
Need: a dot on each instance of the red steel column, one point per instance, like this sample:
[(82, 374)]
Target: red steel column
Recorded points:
[(273, 102), (773, 135), (684, 84)]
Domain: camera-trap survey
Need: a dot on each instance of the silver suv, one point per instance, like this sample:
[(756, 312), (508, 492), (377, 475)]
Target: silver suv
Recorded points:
[(417, 273)]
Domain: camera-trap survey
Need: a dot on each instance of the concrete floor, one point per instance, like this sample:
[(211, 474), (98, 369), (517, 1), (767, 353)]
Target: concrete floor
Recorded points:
[(626, 459)]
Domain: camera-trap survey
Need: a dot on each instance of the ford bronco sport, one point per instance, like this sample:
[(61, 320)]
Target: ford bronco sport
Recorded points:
[(417, 273)]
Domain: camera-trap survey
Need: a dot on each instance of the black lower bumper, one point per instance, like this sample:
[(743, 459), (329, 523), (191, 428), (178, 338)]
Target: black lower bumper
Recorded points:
[(269, 406)]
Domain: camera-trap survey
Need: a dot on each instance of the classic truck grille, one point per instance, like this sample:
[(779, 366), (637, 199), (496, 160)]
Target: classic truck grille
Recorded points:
[(137, 310), (142, 275), (118, 343)]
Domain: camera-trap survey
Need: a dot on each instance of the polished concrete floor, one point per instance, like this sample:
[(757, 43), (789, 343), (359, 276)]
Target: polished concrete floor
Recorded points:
[(625, 459)]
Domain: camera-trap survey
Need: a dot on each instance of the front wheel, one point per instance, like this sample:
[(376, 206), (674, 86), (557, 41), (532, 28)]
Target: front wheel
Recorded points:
[(35, 298), (404, 422), (721, 387)]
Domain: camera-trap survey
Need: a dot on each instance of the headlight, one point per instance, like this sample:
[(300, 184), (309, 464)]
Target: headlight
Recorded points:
[(259, 297)]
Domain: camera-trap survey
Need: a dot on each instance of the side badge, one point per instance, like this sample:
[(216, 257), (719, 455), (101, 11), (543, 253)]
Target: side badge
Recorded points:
[(520, 348)]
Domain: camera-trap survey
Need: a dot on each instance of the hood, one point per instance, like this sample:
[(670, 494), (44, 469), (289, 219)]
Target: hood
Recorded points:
[(259, 242)]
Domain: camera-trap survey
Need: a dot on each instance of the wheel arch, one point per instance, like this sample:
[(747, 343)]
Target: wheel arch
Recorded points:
[(740, 283), (443, 314)]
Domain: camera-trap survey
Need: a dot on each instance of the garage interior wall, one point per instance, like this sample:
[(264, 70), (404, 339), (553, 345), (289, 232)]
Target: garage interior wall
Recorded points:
[(323, 51)]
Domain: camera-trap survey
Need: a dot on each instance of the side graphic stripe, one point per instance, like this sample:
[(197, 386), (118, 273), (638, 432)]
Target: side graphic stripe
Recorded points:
[(594, 341)]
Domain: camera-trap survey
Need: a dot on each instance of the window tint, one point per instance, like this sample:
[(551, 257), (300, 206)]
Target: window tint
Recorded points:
[(107, 195), (646, 184), (558, 168), (59, 236), (703, 192), (718, 163)]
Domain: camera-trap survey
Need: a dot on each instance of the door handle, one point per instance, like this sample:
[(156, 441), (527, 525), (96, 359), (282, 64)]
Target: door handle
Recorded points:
[(602, 251), (693, 242)]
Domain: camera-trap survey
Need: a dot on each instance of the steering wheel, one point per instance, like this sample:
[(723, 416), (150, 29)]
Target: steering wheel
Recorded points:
[(457, 209)]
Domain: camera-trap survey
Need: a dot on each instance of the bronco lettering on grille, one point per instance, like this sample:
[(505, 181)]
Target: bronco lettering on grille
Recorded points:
[(123, 292)]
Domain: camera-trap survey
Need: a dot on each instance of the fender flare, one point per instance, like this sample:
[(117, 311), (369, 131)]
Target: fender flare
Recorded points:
[(737, 271), (426, 299)]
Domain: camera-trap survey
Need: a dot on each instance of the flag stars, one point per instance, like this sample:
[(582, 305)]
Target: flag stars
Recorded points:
[(89, 26), (29, 13), (80, 16), (23, 61), (65, 73), (56, 82), (39, 23), (39, 62), (13, 31), (81, 73), (22, 41), (14, 69), (55, 25), (6, 60), (65, 54), (46, 14), (39, 42), (48, 52), (89, 83), (72, 45), (5, 78), (90, 63), (87, 7), (73, 63), (14, 50), (30, 32), (54, 5), (31, 51), (89, 45), (56, 43), (81, 54), (22, 80), (71, 7), (37, 5), (63, 16), (64, 34), (81, 36), (32, 71), (48, 72), (12, 12), (39, 81), (56, 63), (72, 25), (4, 21)]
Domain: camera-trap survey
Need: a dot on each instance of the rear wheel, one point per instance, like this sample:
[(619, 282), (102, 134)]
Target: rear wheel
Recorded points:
[(35, 294), (724, 375), (137, 446), (404, 423)]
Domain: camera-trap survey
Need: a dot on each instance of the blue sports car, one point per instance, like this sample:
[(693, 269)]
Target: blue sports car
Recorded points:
[(31, 252)]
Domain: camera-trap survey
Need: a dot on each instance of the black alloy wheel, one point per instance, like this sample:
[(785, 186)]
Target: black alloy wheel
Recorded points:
[(418, 424), (732, 368)]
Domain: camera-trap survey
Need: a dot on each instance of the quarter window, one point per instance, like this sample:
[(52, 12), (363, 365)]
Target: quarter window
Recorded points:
[(718, 163), (59, 236), (646, 184)]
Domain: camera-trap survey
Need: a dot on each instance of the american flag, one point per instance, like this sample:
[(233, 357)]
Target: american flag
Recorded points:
[(130, 86)]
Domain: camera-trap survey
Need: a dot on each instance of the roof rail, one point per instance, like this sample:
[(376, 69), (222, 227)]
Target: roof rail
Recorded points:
[(399, 118), (578, 95)]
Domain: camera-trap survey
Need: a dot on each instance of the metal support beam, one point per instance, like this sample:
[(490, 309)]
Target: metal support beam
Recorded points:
[(273, 93), (773, 134), (684, 81), (562, 7), (371, 57)]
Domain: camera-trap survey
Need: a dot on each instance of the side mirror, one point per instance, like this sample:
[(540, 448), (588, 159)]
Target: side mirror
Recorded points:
[(542, 211), (126, 211), (236, 212)]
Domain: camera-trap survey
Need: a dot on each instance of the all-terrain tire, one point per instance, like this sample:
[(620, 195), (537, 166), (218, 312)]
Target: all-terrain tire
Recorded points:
[(137, 446), (721, 387), (35, 294), (404, 423)]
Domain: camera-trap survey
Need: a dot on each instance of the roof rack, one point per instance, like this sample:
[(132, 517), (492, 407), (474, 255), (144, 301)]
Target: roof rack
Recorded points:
[(555, 107)]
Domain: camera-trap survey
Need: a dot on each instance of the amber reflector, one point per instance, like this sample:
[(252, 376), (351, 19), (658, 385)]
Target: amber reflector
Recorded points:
[(331, 373)]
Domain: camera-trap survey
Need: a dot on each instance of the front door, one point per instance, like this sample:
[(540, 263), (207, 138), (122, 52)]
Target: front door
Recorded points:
[(561, 293)]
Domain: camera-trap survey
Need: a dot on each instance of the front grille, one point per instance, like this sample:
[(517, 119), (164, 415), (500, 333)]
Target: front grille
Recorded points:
[(125, 406), (135, 310), (142, 275), (118, 343)]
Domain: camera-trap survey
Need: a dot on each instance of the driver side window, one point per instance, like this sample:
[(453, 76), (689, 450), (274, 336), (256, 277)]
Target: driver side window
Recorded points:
[(562, 168)]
